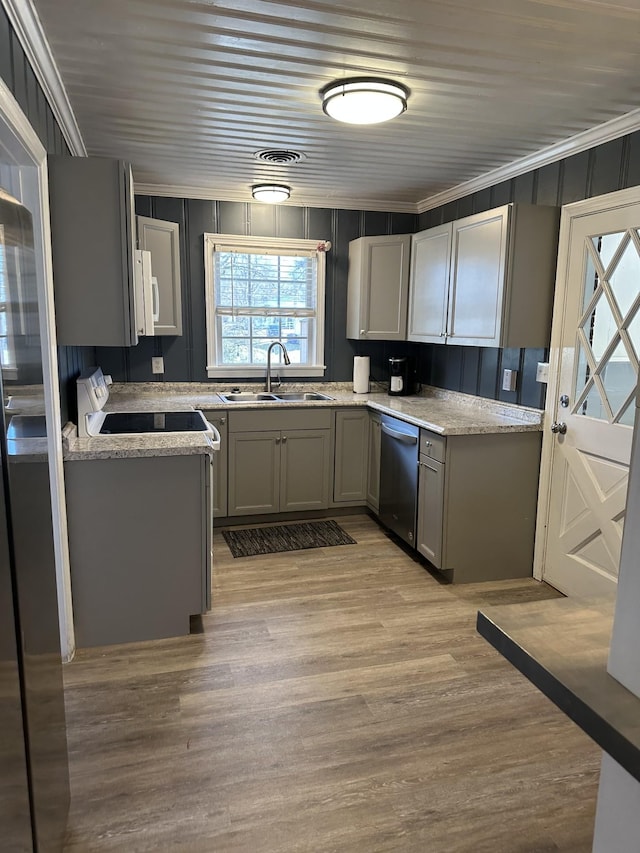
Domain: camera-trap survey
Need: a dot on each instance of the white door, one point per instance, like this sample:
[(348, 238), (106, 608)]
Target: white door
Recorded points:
[(595, 346)]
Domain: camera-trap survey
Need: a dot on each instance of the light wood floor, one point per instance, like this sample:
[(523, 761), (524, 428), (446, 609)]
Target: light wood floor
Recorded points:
[(338, 699)]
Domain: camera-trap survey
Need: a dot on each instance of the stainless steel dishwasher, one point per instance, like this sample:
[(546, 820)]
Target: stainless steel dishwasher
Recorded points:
[(399, 477)]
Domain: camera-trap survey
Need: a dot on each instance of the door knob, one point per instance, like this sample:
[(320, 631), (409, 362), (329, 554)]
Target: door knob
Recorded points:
[(559, 427)]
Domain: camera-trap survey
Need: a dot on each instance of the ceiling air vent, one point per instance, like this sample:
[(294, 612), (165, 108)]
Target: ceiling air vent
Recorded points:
[(279, 156)]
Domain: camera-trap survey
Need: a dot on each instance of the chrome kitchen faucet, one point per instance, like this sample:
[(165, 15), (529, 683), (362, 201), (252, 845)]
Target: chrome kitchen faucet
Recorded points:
[(287, 360)]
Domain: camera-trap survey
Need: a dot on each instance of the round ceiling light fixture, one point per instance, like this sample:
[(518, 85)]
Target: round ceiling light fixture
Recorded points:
[(270, 193), (364, 100)]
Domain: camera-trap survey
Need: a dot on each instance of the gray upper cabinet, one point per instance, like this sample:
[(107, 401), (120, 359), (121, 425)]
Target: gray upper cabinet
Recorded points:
[(429, 284), (500, 273), (162, 239), (93, 245), (378, 286)]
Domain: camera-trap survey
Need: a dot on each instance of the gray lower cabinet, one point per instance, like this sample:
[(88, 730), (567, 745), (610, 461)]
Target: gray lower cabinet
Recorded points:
[(139, 546), (279, 461), (351, 455), (220, 464), (373, 466), (162, 239), (431, 497), (477, 499)]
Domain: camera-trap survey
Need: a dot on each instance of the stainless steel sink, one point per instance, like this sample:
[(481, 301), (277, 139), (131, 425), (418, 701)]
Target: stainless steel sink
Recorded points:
[(298, 396), (284, 397), (248, 398)]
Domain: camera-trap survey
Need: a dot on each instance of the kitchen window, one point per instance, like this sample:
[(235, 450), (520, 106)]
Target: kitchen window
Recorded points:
[(258, 291)]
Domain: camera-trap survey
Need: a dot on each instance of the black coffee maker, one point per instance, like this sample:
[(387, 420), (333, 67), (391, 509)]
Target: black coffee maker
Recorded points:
[(399, 377)]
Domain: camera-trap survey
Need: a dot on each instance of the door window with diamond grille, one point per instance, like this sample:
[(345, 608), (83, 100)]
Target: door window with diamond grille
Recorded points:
[(608, 343)]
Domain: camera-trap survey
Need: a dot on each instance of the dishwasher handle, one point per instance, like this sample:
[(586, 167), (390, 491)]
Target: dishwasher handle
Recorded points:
[(404, 437)]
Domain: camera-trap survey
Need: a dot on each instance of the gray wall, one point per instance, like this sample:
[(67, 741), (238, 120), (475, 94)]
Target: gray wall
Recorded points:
[(603, 169), (18, 75), (185, 357), (473, 370)]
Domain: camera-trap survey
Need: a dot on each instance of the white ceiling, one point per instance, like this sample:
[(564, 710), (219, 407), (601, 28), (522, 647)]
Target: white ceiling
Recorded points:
[(188, 91)]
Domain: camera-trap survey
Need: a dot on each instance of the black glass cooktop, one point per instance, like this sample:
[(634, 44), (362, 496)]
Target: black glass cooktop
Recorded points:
[(120, 423)]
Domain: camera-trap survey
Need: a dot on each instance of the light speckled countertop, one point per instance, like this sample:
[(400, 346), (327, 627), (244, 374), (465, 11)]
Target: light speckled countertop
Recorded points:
[(444, 412)]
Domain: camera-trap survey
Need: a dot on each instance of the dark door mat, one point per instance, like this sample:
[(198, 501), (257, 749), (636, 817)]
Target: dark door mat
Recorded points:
[(285, 537)]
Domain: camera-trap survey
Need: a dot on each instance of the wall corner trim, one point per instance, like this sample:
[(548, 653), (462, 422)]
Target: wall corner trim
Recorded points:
[(26, 23)]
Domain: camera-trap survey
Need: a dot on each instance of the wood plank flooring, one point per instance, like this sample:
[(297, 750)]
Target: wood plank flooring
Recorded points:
[(338, 699)]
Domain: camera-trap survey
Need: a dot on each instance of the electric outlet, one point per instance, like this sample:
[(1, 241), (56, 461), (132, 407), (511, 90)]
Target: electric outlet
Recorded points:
[(157, 364), (542, 371), (509, 378)]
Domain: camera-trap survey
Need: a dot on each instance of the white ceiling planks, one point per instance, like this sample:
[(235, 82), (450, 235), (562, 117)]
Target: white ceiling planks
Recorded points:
[(188, 91)]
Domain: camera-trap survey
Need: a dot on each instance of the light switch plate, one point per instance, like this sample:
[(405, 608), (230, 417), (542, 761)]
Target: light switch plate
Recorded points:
[(509, 379), (542, 371), (157, 364)]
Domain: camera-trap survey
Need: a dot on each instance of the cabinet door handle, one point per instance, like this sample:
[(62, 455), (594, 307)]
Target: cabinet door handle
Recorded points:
[(223, 420), (284, 438), (363, 331), (278, 440)]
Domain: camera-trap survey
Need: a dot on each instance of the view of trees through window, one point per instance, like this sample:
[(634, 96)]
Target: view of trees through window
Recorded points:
[(261, 298)]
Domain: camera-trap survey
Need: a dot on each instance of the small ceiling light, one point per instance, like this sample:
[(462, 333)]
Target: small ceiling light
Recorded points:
[(364, 100), (270, 193)]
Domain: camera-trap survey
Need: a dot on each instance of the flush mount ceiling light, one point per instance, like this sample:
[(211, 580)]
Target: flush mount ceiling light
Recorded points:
[(270, 193), (364, 100)]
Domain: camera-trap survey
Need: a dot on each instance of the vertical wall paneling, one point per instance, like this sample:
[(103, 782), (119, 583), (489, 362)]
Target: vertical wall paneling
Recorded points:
[(501, 193), (524, 188), (292, 222), (608, 166), (465, 207), (632, 177), (234, 218), (6, 68), (375, 222), (19, 77), (468, 369), (262, 219), (575, 178), (488, 372), (482, 201), (548, 184)]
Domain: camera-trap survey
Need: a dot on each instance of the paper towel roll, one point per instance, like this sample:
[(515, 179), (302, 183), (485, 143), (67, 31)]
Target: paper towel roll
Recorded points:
[(361, 374)]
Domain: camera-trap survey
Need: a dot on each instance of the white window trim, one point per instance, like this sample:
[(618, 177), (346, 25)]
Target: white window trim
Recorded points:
[(263, 243)]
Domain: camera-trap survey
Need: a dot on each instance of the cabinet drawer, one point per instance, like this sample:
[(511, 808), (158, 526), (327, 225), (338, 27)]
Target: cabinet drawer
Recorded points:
[(254, 421), (433, 445)]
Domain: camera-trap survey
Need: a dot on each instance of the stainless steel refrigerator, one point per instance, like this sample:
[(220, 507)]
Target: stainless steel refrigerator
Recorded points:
[(34, 781)]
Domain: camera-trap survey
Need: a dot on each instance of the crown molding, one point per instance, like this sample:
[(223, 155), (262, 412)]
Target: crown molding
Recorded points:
[(336, 203), (606, 132), (26, 23)]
